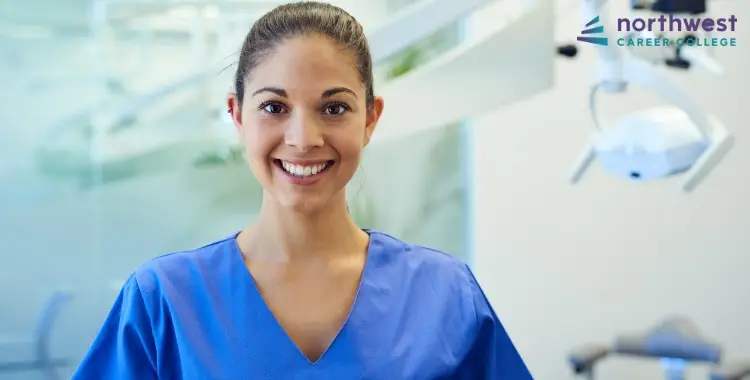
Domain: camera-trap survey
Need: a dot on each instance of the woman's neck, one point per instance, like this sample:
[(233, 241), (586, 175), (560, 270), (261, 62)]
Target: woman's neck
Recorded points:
[(283, 235)]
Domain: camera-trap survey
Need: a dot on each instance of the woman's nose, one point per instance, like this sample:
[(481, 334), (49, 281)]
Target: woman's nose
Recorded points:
[(304, 133)]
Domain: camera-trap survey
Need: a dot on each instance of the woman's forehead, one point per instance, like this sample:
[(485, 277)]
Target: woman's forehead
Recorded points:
[(307, 63)]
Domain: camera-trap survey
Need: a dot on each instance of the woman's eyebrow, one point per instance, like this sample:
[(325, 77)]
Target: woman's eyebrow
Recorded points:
[(333, 91), (274, 90), (326, 94)]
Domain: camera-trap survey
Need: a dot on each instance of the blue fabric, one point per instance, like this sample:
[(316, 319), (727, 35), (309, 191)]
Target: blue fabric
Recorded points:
[(419, 315)]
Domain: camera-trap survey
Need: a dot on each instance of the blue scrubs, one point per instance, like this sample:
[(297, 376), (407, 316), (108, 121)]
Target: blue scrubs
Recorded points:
[(419, 315)]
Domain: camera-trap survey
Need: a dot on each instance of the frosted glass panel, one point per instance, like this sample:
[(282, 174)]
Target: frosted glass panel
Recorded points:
[(414, 189)]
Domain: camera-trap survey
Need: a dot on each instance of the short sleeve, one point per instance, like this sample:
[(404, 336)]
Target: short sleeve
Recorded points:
[(125, 347), (492, 355)]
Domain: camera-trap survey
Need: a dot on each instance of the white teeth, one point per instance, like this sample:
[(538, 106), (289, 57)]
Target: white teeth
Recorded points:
[(303, 171)]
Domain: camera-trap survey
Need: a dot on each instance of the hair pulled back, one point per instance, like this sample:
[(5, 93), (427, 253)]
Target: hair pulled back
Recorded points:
[(302, 19)]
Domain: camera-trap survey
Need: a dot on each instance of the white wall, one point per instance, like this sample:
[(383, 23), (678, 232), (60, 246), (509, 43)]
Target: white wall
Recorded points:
[(565, 265)]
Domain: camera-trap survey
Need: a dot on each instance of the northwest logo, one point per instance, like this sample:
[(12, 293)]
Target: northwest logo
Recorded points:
[(586, 33)]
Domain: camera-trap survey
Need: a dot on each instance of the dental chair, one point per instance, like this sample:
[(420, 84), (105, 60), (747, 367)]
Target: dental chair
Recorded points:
[(676, 342), (34, 351)]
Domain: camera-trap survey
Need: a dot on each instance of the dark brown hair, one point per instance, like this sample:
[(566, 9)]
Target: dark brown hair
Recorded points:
[(303, 19)]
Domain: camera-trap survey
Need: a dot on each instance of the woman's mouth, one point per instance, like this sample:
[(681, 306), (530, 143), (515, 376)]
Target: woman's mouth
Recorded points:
[(303, 172)]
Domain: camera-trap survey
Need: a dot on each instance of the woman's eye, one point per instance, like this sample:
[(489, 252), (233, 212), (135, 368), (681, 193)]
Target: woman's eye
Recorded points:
[(273, 108), (335, 109)]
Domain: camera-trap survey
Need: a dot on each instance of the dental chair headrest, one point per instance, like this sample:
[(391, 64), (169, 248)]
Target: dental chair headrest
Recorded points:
[(675, 338)]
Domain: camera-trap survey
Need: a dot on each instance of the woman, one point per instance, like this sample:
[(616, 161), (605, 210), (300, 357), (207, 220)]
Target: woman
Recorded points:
[(303, 293)]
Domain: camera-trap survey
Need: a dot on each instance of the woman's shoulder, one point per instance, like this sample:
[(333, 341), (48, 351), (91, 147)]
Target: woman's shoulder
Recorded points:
[(184, 268), (399, 248), (420, 260)]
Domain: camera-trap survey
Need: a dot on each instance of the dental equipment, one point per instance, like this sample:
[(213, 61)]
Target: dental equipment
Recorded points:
[(654, 143), (675, 342)]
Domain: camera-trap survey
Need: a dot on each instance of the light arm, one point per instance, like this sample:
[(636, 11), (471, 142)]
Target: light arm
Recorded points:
[(610, 57), (616, 71)]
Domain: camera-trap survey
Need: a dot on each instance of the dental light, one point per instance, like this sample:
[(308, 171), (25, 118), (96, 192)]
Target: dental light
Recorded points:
[(653, 143)]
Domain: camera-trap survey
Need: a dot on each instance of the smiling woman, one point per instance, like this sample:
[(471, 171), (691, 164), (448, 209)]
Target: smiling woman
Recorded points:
[(303, 292), (318, 108), (274, 105)]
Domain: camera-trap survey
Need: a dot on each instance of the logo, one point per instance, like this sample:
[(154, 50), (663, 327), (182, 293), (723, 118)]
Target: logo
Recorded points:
[(654, 31), (593, 30), (645, 32)]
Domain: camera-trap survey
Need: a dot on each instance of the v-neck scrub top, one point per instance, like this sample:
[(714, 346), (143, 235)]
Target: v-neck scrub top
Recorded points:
[(419, 314)]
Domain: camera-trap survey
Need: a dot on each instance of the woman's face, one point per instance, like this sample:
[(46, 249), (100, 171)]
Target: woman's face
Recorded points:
[(304, 122)]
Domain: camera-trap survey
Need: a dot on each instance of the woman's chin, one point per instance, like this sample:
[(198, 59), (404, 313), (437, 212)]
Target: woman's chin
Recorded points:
[(305, 204)]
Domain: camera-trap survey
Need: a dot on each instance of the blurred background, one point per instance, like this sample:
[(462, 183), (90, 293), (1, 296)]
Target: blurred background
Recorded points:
[(115, 148)]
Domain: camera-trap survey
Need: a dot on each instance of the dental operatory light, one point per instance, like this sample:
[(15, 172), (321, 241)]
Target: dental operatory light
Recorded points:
[(679, 139)]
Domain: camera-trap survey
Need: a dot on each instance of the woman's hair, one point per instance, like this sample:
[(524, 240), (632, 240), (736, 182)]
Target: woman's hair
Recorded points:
[(301, 19)]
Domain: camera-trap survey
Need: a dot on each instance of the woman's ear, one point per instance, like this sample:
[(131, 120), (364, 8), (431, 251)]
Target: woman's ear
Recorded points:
[(373, 115), (233, 108)]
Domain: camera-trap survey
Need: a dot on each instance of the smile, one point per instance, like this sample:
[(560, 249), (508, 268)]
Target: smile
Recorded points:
[(303, 171)]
